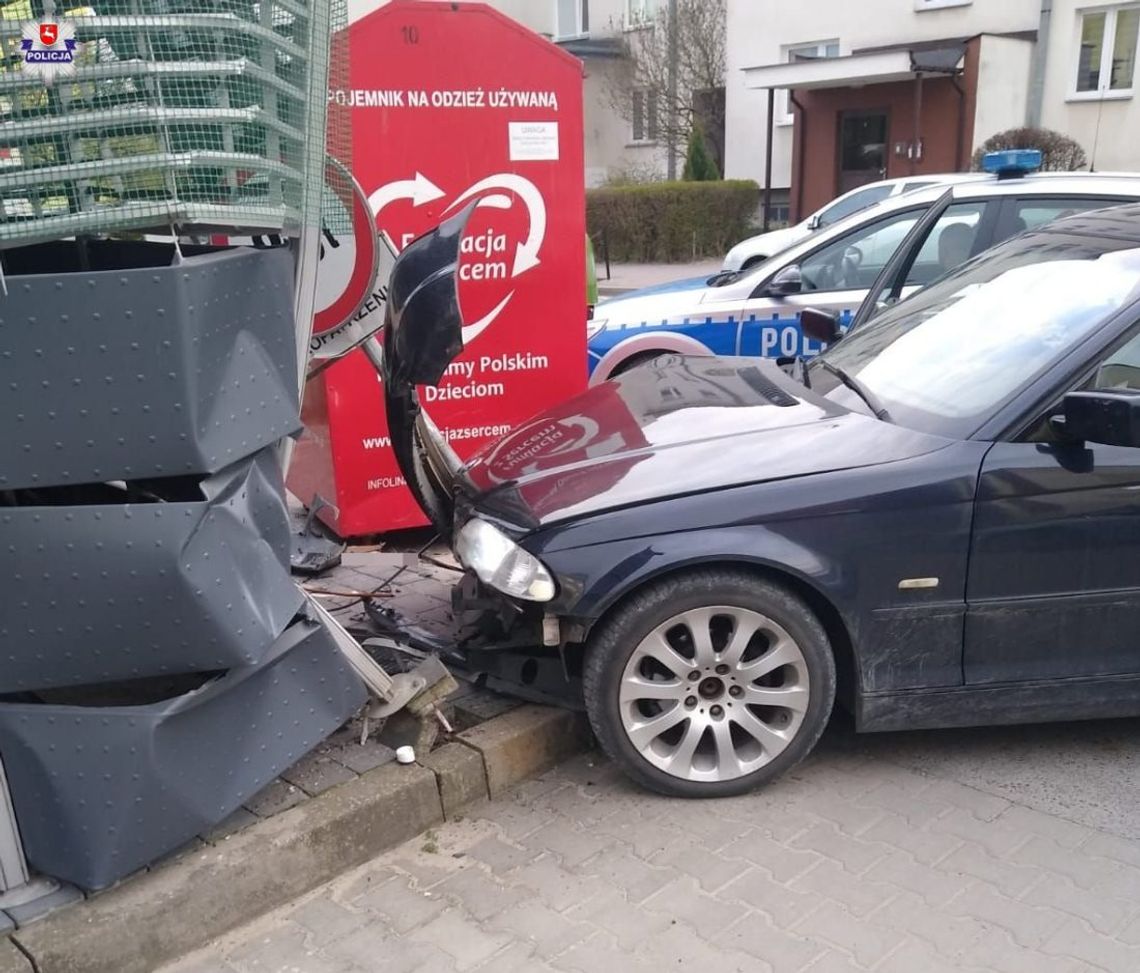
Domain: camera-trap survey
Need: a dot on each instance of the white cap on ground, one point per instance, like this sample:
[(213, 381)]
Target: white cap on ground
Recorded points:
[(405, 755)]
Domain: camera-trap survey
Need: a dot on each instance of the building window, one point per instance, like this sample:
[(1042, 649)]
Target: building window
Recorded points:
[(813, 52), (640, 13), (644, 115), (1106, 55), (571, 19), (778, 211), (793, 55)]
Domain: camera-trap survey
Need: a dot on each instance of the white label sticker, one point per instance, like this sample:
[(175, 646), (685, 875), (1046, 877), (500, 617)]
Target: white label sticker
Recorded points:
[(533, 141)]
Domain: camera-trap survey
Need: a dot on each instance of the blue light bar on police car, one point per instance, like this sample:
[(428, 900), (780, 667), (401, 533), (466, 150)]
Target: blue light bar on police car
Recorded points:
[(1011, 163)]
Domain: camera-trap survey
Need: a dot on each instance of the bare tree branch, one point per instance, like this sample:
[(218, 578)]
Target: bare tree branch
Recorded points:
[(700, 27)]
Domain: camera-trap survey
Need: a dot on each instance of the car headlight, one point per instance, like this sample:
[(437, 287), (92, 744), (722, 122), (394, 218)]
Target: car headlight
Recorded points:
[(595, 327), (501, 564)]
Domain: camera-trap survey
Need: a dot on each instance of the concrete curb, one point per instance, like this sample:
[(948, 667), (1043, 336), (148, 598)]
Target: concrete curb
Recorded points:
[(525, 742), (173, 910)]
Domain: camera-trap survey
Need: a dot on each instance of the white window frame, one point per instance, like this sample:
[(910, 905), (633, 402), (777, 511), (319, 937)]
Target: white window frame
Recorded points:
[(580, 6), (1107, 49), (646, 115), (921, 5), (639, 14), (784, 114)]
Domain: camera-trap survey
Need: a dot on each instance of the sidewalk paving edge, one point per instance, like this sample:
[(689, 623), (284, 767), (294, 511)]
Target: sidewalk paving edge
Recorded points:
[(164, 914)]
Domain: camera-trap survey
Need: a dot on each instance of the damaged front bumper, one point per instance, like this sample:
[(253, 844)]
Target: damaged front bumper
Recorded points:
[(483, 638)]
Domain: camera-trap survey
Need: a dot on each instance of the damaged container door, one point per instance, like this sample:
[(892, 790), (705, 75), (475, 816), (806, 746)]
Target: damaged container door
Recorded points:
[(423, 336)]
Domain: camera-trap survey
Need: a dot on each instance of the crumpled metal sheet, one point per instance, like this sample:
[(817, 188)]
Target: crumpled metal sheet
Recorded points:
[(146, 372), (99, 593), (101, 791)]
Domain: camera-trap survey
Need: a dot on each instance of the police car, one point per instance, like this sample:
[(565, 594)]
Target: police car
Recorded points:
[(756, 249), (756, 311)]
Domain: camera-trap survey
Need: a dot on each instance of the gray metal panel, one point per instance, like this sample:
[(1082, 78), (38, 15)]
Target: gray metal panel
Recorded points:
[(106, 592), (102, 791), (152, 372)]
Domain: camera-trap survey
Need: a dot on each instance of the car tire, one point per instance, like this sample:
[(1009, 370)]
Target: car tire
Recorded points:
[(699, 753), (634, 360)]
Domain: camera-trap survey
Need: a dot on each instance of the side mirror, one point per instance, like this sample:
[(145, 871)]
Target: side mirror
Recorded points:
[(786, 282), (1108, 417), (822, 326)]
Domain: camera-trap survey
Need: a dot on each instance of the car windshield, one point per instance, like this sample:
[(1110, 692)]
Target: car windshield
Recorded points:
[(945, 359), (852, 204)]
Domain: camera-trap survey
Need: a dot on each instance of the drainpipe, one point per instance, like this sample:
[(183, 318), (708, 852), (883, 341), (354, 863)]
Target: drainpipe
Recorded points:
[(959, 165), (768, 158), (1040, 62), (801, 131), (917, 145)]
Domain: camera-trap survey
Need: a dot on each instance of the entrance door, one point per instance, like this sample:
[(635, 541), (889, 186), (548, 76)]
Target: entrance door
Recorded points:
[(862, 148)]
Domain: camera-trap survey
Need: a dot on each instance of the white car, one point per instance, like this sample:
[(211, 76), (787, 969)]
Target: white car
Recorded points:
[(756, 311), (757, 249)]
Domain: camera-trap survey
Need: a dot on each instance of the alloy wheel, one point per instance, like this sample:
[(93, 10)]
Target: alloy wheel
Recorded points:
[(714, 693)]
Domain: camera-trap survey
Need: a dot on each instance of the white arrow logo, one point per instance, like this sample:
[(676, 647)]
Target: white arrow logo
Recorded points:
[(471, 331), (590, 429), (526, 256), (419, 190)]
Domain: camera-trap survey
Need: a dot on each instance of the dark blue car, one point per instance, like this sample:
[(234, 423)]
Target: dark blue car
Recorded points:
[(937, 525)]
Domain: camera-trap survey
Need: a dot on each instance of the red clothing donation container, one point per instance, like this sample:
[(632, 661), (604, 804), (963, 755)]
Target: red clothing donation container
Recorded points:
[(451, 103)]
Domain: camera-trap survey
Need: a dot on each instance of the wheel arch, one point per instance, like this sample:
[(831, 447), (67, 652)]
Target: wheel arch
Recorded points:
[(830, 617), (649, 342)]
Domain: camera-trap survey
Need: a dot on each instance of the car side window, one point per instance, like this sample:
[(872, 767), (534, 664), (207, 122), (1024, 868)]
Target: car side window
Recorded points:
[(950, 243), (853, 203), (853, 261), (1119, 369), (1029, 213)]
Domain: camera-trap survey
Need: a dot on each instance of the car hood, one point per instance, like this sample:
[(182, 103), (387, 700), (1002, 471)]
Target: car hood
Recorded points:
[(671, 287), (672, 427)]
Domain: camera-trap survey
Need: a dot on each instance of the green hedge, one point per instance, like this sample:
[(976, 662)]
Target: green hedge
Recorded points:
[(671, 221)]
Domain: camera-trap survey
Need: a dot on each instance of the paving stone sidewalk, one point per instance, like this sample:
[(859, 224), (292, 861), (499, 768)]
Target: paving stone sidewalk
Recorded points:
[(630, 277), (1014, 850)]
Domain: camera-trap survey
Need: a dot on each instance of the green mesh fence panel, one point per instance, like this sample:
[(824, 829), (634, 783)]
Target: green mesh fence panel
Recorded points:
[(188, 115)]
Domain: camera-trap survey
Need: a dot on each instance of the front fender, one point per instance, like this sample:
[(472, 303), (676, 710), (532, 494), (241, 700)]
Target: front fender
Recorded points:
[(594, 577)]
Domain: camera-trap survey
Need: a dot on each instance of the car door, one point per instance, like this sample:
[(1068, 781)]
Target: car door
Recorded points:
[(1053, 589), (947, 236), (834, 276)]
